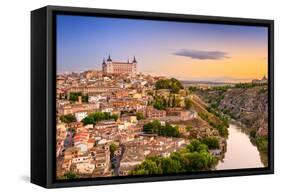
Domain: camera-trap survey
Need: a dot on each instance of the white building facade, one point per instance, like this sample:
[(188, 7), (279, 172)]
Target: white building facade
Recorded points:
[(113, 67)]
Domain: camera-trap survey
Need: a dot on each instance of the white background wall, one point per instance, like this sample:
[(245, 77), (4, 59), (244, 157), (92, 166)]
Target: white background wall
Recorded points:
[(15, 94)]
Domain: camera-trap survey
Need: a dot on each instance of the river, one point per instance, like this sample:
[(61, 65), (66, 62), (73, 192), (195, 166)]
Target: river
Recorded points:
[(240, 152)]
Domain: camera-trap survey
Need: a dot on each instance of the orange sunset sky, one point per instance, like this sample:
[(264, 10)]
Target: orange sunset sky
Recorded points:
[(187, 51)]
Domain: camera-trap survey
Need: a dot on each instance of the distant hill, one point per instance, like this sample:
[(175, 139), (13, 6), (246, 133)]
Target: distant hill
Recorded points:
[(204, 82)]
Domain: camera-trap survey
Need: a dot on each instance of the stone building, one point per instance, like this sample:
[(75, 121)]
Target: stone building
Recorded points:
[(114, 67)]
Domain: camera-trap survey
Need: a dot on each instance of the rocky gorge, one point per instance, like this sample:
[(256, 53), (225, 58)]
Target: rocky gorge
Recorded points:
[(246, 104)]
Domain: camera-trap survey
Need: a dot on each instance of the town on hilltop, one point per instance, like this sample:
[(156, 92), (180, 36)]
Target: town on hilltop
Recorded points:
[(119, 122)]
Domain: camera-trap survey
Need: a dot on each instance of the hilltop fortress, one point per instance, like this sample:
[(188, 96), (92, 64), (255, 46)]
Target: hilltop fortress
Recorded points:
[(114, 67)]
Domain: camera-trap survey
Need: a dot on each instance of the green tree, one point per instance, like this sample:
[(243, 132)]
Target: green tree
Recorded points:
[(85, 98), (171, 166), (253, 134), (148, 167), (200, 161), (194, 157), (73, 96), (172, 84), (169, 101), (211, 142), (187, 103), (262, 144), (196, 146), (113, 147), (152, 127), (69, 175), (167, 130), (174, 101), (140, 116), (193, 88), (223, 131), (114, 117), (159, 103), (69, 118), (95, 117), (178, 102)]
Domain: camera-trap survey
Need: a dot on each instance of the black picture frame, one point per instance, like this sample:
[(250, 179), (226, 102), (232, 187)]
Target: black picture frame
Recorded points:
[(43, 89)]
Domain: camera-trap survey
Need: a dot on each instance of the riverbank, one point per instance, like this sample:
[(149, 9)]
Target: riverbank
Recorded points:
[(240, 151), (248, 106), (260, 142)]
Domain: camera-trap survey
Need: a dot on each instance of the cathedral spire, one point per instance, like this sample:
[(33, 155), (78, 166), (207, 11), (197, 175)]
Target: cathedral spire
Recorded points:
[(109, 59), (134, 61)]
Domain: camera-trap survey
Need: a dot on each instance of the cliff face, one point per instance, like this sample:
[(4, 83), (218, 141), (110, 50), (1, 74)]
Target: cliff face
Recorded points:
[(247, 105)]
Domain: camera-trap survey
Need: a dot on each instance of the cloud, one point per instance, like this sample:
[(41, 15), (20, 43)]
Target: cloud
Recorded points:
[(202, 55)]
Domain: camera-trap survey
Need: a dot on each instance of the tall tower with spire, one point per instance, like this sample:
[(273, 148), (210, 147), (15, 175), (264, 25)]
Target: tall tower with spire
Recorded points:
[(109, 60), (134, 65), (103, 65), (109, 66)]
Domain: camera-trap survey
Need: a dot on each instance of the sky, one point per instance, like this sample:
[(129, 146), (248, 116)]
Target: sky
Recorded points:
[(187, 51)]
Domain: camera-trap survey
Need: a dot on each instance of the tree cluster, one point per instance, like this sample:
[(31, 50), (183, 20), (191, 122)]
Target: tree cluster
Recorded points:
[(68, 175), (69, 118), (162, 103), (187, 103), (195, 157), (73, 97), (166, 130), (95, 117), (211, 142), (172, 84)]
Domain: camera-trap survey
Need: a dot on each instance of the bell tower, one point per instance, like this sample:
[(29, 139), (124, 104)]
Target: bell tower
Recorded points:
[(134, 62), (109, 65)]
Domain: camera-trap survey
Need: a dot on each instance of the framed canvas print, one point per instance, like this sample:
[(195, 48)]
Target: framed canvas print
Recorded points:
[(126, 96)]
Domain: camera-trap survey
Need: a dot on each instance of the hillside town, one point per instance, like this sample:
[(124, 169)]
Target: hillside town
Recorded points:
[(104, 120)]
